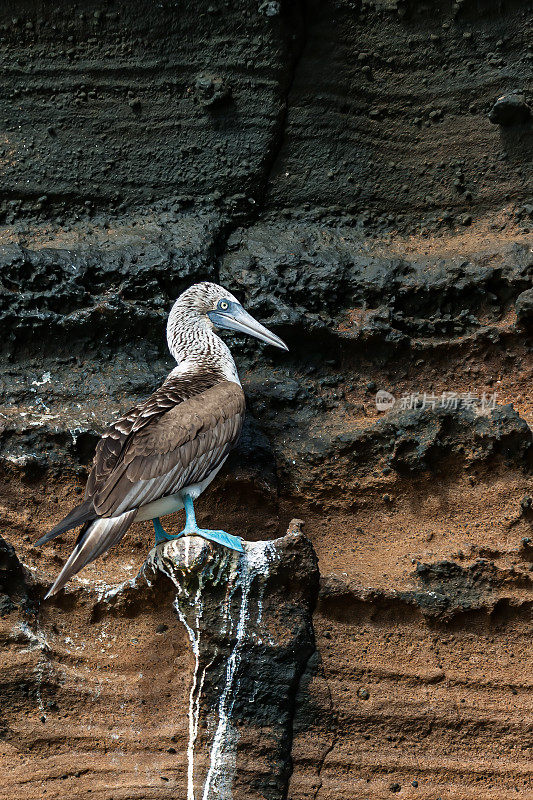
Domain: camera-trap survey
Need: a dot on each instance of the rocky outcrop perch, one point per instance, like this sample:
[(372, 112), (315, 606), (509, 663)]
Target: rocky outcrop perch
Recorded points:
[(248, 619)]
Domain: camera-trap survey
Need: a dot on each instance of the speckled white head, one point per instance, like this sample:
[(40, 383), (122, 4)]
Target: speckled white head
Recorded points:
[(197, 314), (200, 298)]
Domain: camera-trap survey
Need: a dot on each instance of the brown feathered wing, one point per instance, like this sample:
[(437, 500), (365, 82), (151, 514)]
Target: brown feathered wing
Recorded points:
[(173, 440)]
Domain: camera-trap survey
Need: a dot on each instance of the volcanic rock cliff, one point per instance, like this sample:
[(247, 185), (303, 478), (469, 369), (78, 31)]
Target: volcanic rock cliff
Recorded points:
[(359, 174)]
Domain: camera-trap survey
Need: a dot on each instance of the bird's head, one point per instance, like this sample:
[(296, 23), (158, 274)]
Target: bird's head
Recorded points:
[(219, 309)]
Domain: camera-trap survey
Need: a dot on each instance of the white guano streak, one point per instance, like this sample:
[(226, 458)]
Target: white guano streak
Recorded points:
[(194, 696), (37, 641), (255, 562), (194, 637)]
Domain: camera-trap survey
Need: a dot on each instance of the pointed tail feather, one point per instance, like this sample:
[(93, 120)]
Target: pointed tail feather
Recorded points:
[(94, 539), (78, 516)]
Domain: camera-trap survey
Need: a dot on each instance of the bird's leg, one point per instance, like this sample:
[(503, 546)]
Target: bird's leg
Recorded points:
[(220, 537), (191, 526), (160, 533)]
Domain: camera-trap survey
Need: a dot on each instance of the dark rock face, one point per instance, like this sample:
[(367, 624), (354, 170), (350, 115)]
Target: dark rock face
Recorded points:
[(334, 164), (321, 280), (300, 277), (399, 129), (424, 438), (524, 309), (510, 109), (445, 591), (15, 591), (120, 285), (410, 442), (139, 116), (224, 103)]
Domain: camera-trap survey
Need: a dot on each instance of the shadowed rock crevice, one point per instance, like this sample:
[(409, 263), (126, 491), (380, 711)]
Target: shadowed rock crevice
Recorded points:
[(16, 588), (442, 591)]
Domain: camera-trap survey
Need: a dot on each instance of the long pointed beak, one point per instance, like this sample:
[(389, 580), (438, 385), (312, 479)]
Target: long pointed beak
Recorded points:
[(240, 320)]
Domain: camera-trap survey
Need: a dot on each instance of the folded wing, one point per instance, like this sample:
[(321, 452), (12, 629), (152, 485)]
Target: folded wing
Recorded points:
[(160, 447), (179, 448)]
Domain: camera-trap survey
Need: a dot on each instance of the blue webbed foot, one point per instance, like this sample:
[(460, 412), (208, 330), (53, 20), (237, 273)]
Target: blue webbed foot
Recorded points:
[(221, 537), (191, 529), (160, 533)]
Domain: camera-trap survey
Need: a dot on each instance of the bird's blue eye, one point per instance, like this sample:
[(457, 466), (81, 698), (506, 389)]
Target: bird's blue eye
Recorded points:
[(223, 305)]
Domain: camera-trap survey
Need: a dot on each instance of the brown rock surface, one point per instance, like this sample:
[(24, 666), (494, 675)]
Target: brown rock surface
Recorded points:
[(182, 680), (334, 164)]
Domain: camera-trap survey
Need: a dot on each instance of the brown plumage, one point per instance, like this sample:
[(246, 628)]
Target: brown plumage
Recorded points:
[(172, 429), (172, 440)]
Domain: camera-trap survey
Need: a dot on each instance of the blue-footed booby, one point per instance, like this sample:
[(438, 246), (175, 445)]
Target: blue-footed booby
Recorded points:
[(165, 451)]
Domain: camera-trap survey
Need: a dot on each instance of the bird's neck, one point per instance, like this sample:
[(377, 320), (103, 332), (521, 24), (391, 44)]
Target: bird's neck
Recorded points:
[(196, 347)]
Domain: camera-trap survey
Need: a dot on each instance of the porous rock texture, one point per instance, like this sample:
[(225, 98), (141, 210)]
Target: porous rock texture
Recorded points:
[(205, 633), (359, 174)]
